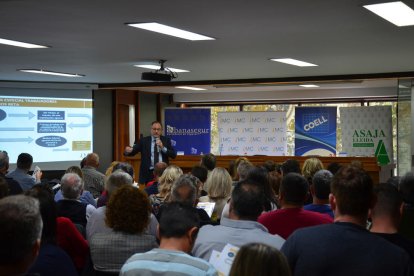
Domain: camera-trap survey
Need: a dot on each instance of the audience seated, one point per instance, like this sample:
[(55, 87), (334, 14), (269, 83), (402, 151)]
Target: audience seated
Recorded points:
[(293, 192), (234, 173), (346, 247), (243, 169), (218, 190), (201, 173), (122, 166), (128, 215), (94, 180), (259, 259), (13, 187), (177, 231), (52, 258), (167, 178), (184, 191), (320, 190), (241, 227), (20, 174), (86, 197), (209, 162), (334, 167), (96, 222), (70, 206), (269, 165), (290, 166), (20, 233), (261, 176), (407, 191), (152, 186), (386, 217)]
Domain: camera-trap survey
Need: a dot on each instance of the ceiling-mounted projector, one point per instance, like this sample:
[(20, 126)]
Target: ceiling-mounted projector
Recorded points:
[(162, 74)]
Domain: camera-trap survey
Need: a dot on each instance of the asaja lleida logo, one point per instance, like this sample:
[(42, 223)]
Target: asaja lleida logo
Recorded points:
[(364, 138)]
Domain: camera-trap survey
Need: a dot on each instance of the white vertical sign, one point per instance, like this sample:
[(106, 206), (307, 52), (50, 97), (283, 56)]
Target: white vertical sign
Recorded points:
[(252, 133)]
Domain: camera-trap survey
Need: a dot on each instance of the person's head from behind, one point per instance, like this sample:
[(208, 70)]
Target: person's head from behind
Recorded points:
[(116, 180), (261, 176), (110, 169), (20, 233), (159, 169), (126, 167), (47, 210), (4, 188), (170, 174), (209, 161), (24, 161), (310, 167), (290, 166), (334, 167), (293, 190), (389, 204), (71, 186), (180, 223), (128, 210), (92, 160), (200, 172), (247, 201), (269, 165), (352, 193), (243, 169), (321, 184), (259, 259), (4, 162), (219, 183), (406, 188), (75, 169), (184, 190), (274, 180)]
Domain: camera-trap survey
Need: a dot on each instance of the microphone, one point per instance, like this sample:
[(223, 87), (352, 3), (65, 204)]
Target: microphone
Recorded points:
[(156, 140)]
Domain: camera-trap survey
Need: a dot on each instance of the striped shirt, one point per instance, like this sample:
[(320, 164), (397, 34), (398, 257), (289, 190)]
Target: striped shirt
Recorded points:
[(166, 262)]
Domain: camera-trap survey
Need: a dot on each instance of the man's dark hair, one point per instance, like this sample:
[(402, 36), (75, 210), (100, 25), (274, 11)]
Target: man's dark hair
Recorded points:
[(200, 172), (159, 168), (124, 166), (4, 160), (321, 182), (24, 161), (334, 167), (294, 188), (269, 165), (177, 219), (209, 161), (21, 227), (353, 191), (156, 122), (248, 199), (388, 203), (407, 188), (184, 190), (290, 165)]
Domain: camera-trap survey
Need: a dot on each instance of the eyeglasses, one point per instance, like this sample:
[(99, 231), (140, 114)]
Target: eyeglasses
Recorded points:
[(156, 129)]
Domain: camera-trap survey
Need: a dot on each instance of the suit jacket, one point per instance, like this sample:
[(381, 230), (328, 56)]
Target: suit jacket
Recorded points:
[(144, 146)]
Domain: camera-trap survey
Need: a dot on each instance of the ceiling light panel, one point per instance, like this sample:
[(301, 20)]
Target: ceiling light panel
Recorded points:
[(20, 44), (157, 67), (292, 61), (309, 85), (167, 30), (190, 88), (39, 71), (397, 13)]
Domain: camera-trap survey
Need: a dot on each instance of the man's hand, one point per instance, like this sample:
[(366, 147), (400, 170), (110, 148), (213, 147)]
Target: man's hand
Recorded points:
[(38, 175), (128, 149), (159, 143)]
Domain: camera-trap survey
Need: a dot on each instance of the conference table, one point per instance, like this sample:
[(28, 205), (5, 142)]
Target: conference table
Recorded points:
[(186, 162)]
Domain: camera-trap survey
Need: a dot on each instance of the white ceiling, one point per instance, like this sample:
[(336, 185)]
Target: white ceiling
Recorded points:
[(91, 38)]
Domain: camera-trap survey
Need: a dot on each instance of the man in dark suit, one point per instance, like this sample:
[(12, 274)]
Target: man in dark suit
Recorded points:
[(155, 148)]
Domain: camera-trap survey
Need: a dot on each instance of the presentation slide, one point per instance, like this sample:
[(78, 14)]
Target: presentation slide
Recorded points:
[(50, 129)]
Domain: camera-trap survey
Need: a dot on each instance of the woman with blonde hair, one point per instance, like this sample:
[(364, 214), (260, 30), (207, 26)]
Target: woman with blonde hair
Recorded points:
[(310, 167), (219, 190), (170, 174)]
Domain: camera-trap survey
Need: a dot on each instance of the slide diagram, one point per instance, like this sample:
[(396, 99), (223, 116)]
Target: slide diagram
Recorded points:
[(50, 129)]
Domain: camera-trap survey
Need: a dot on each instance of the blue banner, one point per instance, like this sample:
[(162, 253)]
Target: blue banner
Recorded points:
[(315, 131), (189, 130)]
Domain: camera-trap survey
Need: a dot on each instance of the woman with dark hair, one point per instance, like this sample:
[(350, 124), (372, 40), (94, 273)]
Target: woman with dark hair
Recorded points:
[(128, 215), (260, 175), (260, 260), (52, 259)]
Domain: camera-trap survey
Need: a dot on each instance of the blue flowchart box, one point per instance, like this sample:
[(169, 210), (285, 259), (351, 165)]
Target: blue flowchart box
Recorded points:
[(51, 127), (50, 115)]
